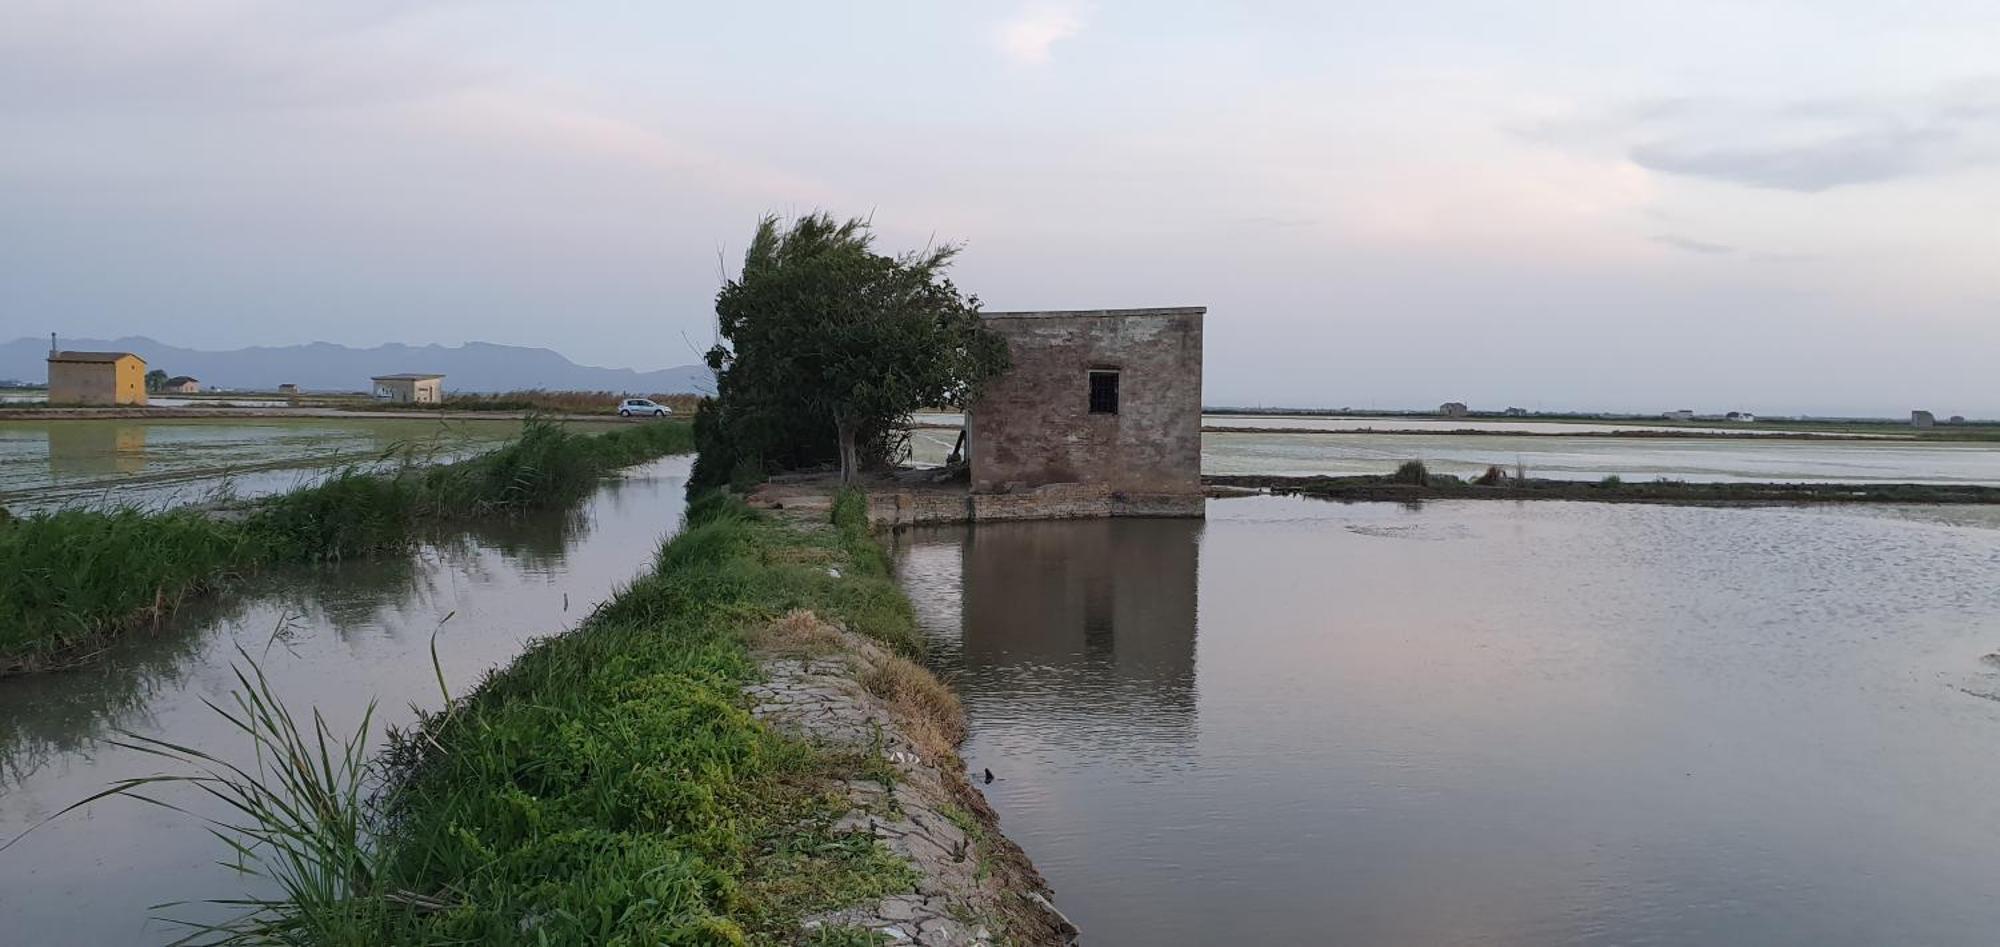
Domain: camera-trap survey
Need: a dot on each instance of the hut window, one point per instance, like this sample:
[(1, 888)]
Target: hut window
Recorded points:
[(1103, 392)]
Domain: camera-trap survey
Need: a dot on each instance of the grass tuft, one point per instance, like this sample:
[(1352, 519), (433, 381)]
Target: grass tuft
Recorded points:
[(1412, 472)]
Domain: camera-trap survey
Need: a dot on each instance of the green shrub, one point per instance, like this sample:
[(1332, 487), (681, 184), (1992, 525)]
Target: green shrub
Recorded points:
[(1413, 472)]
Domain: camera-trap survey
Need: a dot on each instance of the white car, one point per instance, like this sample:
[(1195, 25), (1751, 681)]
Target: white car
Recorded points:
[(640, 407)]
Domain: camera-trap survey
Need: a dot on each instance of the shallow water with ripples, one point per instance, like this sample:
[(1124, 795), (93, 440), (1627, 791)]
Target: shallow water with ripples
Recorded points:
[(1487, 723)]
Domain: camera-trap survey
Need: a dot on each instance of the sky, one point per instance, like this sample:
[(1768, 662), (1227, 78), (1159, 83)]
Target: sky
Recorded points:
[(1759, 205)]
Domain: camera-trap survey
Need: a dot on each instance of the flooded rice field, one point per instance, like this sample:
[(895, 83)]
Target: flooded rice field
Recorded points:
[(332, 638), (1694, 459), (1422, 424), (156, 463), (1476, 723), (1408, 423)]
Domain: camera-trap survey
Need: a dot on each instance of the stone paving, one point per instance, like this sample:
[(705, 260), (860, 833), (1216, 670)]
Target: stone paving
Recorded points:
[(959, 900)]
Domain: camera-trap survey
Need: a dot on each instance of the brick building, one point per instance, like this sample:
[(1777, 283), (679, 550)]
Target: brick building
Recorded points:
[(1100, 415)]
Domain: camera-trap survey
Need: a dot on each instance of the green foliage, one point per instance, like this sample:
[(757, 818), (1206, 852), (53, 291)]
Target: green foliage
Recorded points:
[(1411, 471), (77, 576), (829, 347), (1612, 482), (156, 380)]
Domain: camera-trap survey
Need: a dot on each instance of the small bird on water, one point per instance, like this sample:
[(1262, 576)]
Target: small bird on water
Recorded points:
[(989, 775)]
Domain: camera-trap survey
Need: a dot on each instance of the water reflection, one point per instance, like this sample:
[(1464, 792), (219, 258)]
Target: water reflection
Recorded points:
[(332, 638), (1482, 723), (1107, 602), (79, 451)]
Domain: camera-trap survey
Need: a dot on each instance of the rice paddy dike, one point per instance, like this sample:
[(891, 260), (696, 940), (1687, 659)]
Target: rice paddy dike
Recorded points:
[(77, 577), (1414, 483), (737, 749)]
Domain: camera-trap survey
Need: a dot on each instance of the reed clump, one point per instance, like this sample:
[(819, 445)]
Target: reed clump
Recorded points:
[(1410, 471)]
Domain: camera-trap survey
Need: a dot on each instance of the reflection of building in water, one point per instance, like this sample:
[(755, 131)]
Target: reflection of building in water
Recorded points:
[(1076, 619), (85, 450)]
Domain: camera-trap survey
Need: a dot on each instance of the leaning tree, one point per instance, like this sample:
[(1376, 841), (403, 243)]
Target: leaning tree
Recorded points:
[(828, 346)]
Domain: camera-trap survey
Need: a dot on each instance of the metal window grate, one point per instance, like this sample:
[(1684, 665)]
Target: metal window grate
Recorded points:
[(1103, 392)]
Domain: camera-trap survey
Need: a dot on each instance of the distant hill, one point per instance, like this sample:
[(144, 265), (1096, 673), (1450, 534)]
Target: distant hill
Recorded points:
[(324, 366)]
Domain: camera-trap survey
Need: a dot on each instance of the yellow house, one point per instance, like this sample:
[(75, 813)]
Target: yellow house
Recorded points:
[(96, 378)]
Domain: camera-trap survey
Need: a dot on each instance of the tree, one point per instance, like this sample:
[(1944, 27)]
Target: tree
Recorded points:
[(156, 380), (828, 347)]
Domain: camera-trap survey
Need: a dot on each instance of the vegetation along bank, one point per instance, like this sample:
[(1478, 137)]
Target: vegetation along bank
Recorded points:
[(1412, 481), (737, 749), (77, 577)]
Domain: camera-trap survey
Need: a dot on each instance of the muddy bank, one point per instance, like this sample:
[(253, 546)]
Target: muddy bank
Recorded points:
[(1611, 490), (847, 694)]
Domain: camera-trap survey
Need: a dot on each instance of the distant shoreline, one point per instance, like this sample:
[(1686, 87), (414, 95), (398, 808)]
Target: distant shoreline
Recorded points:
[(1611, 490)]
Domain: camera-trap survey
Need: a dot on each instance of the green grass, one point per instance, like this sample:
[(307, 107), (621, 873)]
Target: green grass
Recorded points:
[(608, 787), (78, 577)]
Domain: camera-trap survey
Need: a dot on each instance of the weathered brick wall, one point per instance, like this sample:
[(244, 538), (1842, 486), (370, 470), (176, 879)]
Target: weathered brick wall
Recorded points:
[(1033, 426)]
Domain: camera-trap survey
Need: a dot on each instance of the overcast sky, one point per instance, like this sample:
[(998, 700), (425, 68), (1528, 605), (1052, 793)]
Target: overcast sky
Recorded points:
[(1772, 206)]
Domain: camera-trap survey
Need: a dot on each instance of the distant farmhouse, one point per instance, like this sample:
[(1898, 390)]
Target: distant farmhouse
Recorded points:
[(1923, 419), (96, 378), (288, 389), (1454, 409), (1679, 414), (409, 388), (1099, 415), (184, 384)]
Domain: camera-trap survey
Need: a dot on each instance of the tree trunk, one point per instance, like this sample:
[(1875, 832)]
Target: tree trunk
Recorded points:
[(849, 454)]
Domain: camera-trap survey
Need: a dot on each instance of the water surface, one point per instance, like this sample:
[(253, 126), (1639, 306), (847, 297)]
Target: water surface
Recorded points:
[(1488, 723), (1335, 452), (331, 638)]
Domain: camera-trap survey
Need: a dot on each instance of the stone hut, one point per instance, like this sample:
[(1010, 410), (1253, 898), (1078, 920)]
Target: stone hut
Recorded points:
[(1100, 415), (409, 388), (96, 378)]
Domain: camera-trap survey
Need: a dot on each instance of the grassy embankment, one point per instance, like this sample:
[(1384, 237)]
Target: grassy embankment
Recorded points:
[(1412, 481), (78, 577), (609, 787)]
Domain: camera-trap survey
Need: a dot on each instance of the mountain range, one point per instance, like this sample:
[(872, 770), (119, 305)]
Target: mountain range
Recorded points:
[(324, 366)]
